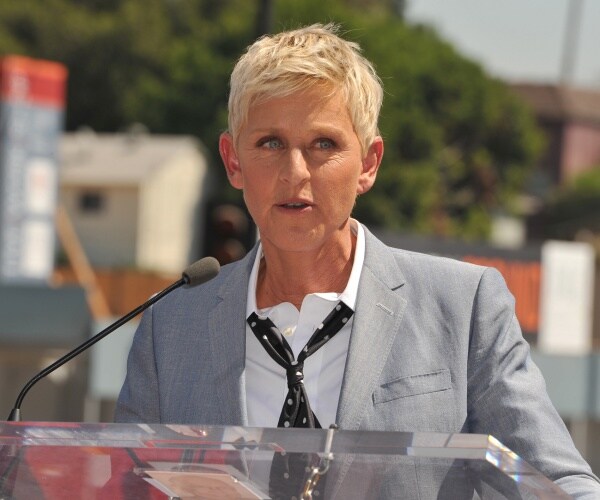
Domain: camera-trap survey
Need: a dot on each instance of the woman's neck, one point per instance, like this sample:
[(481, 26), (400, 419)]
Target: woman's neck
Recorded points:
[(290, 276)]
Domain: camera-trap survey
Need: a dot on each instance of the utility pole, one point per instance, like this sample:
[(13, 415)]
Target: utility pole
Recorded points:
[(264, 17), (399, 7), (571, 37)]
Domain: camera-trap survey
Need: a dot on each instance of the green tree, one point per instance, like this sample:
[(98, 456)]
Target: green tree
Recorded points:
[(458, 145)]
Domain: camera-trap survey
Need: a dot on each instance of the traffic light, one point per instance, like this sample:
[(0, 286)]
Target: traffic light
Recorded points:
[(229, 232)]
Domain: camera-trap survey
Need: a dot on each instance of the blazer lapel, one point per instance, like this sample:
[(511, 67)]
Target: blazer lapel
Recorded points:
[(227, 323), (379, 310)]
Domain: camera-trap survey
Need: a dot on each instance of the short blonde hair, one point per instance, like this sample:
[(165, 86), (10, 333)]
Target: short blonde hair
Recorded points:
[(279, 65)]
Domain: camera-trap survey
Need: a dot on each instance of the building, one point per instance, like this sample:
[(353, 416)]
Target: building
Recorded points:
[(135, 199), (570, 120)]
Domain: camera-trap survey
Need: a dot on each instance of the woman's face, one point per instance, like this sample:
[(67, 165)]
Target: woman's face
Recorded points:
[(299, 163)]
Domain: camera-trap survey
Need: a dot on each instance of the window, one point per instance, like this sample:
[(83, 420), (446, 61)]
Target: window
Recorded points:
[(91, 202)]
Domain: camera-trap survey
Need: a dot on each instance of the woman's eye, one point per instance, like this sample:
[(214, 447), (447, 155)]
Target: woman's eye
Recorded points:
[(270, 143), (325, 143)]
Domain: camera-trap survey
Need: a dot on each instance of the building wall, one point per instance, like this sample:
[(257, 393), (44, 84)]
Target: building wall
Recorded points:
[(169, 214), (107, 233), (581, 150)]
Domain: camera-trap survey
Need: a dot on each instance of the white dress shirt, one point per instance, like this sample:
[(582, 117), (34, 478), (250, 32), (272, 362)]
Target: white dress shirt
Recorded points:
[(266, 385)]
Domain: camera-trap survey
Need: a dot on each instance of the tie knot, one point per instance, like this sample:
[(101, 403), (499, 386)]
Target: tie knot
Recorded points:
[(295, 374)]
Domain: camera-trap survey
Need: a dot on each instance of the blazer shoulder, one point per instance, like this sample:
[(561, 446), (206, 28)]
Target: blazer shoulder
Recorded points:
[(441, 263), (437, 276), (380, 256)]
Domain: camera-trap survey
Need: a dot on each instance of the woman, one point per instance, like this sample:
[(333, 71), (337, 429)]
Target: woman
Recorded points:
[(322, 323)]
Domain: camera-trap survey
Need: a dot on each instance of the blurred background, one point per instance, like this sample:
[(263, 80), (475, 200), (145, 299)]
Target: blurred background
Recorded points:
[(110, 181)]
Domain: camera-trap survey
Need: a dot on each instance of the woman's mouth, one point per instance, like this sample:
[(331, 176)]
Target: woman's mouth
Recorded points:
[(294, 205)]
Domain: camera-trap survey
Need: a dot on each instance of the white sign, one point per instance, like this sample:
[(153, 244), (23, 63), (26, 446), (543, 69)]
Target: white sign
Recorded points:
[(567, 297), (40, 187), (37, 249)]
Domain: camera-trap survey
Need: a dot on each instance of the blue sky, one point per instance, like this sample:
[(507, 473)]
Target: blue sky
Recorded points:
[(517, 40)]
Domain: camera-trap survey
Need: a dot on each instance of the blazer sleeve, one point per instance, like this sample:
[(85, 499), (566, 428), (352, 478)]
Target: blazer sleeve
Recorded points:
[(507, 395), (138, 401)]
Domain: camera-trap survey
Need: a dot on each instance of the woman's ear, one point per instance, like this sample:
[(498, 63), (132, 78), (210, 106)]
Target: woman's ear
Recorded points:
[(370, 166), (230, 160)]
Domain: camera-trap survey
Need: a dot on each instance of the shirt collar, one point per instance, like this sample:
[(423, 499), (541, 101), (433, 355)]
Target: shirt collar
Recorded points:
[(348, 296)]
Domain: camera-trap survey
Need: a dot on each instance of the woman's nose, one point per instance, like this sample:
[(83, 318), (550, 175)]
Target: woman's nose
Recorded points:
[(295, 169)]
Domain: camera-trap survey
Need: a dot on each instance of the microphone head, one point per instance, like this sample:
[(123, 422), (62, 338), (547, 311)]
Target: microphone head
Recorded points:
[(201, 271)]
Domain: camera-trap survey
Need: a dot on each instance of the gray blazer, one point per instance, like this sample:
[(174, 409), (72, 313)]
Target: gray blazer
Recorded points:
[(435, 347)]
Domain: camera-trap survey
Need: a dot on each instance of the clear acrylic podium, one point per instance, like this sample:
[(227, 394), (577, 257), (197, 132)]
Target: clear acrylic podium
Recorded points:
[(116, 461)]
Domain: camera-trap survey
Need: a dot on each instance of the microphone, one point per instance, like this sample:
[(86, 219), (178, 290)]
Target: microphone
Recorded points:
[(195, 274)]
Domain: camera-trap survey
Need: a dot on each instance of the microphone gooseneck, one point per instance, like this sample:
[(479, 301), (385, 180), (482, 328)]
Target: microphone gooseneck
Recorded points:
[(197, 273)]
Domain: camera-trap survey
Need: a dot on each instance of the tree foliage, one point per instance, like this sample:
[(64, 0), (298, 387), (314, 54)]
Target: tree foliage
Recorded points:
[(458, 145), (572, 209)]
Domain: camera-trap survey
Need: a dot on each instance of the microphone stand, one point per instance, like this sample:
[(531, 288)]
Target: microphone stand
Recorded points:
[(197, 273), (15, 414)]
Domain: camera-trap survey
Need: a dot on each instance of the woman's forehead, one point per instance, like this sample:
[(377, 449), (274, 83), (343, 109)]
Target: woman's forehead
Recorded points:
[(305, 106)]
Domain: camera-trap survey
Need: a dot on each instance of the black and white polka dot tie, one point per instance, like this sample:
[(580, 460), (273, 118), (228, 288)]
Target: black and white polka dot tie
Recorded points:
[(296, 411)]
